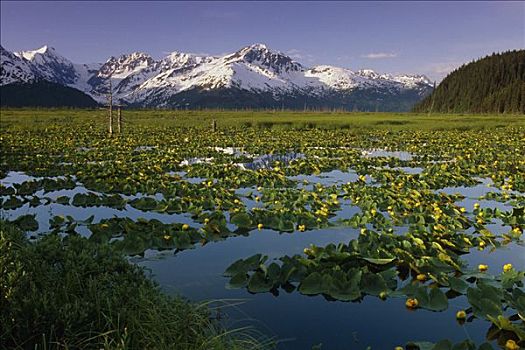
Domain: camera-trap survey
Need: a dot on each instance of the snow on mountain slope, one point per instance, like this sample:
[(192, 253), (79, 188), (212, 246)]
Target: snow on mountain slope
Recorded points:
[(137, 77), (15, 69), (50, 65), (252, 68)]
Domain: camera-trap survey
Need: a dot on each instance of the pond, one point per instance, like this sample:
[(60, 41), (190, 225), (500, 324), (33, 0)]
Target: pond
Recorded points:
[(235, 204)]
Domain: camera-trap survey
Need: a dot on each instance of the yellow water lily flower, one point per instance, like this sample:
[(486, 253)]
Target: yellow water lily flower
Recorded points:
[(507, 267), (462, 209), (461, 315), (421, 277), (260, 227), (511, 345), (206, 220), (185, 227), (482, 267), (476, 205), (412, 303), (301, 228)]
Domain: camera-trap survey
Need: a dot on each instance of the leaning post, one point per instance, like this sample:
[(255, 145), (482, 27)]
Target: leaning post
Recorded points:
[(110, 108), (119, 119)]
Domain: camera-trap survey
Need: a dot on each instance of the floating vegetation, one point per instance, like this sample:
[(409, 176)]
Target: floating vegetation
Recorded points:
[(414, 204)]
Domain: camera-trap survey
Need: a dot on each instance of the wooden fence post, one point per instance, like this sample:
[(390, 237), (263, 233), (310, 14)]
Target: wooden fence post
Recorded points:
[(110, 106), (119, 119)]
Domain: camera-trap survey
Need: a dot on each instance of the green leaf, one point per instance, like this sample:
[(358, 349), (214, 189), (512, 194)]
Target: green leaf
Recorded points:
[(314, 283), (238, 281), (458, 285), (437, 300), (259, 283), (241, 220), (27, 222), (373, 284), (378, 261), (345, 286)]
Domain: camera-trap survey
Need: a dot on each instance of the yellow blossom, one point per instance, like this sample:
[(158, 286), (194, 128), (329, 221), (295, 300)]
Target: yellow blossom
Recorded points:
[(412, 303), (482, 267), (461, 315), (511, 345), (421, 277), (507, 267)]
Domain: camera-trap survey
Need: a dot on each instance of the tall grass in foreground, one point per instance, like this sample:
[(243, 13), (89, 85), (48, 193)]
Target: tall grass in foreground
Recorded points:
[(69, 293)]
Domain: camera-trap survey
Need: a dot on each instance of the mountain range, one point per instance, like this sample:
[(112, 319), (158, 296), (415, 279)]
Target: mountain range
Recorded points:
[(252, 77)]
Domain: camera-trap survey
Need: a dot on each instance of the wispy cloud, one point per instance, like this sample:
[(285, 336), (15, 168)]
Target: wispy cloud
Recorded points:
[(379, 55), (445, 68), (300, 55), (438, 70), (189, 53)]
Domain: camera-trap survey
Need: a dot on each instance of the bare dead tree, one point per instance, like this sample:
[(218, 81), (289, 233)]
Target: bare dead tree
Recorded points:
[(432, 96), (119, 119), (110, 108)]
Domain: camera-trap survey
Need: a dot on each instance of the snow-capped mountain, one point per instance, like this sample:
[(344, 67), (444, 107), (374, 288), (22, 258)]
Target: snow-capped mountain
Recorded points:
[(15, 69), (253, 76)]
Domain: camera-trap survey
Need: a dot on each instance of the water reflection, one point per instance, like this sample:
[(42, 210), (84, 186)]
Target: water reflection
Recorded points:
[(298, 320)]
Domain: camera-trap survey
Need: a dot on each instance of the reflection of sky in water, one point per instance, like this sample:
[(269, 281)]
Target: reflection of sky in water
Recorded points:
[(299, 321), (328, 178), (401, 155), (303, 320)]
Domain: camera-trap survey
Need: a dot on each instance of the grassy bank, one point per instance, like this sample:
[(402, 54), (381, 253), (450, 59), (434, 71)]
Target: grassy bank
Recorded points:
[(69, 293), (97, 119)]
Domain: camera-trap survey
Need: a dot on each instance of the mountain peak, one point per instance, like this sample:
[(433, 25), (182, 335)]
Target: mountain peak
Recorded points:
[(258, 46), (31, 54), (43, 49), (260, 55)]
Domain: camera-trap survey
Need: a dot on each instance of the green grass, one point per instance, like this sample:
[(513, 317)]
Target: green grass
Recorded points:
[(70, 293), (263, 119)]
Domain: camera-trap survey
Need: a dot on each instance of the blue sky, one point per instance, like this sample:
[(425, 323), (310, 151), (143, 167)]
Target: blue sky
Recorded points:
[(428, 38)]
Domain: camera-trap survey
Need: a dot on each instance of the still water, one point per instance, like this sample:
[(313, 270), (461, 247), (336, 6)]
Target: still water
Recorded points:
[(293, 320)]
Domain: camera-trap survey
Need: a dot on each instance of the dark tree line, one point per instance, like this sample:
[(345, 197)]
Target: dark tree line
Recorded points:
[(494, 84), (43, 94)]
